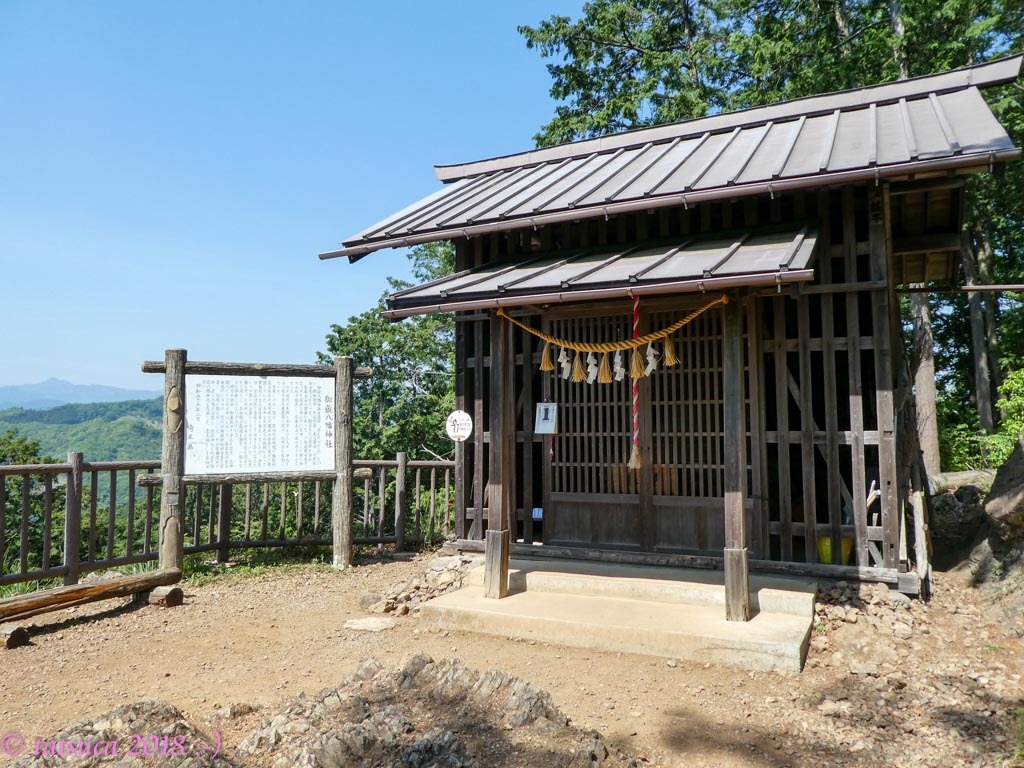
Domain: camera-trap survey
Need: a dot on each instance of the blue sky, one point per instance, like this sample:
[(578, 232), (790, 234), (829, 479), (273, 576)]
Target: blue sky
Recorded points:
[(169, 170)]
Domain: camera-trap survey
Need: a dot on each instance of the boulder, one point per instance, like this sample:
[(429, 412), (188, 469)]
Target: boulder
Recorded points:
[(1004, 506), (956, 517)]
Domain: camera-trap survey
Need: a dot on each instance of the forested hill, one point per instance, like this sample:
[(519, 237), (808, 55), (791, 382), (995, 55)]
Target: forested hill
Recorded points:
[(101, 431)]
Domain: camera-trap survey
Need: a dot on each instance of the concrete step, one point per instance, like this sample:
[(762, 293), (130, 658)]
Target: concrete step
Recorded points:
[(769, 641), (768, 594)]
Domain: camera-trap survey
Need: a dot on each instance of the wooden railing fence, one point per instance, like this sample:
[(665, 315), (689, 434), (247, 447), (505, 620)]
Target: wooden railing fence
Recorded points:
[(62, 521)]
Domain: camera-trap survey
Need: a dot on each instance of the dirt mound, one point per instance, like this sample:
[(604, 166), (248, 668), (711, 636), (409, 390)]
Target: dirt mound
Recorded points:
[(426, 713)]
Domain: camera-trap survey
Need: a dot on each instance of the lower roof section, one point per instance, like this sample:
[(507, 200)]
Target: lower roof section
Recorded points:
[(712, 262)]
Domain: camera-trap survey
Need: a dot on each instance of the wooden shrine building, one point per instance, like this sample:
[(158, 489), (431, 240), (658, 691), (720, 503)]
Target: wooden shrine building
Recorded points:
[(762, 432)]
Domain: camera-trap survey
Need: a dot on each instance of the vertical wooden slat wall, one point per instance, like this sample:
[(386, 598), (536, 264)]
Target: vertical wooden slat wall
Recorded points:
[(818, 396), (830, 411)]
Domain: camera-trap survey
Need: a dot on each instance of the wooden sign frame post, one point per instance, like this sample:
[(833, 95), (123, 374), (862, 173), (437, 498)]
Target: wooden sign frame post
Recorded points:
[(172, 461), (341, 499)]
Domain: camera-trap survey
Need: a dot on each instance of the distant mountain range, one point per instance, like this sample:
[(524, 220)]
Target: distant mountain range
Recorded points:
[(54, 392)]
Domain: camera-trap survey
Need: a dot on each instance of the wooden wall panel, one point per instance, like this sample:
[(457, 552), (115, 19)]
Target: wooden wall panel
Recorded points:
[(819, 400)]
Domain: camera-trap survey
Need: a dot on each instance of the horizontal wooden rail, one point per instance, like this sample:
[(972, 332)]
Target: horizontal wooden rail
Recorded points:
[(411, 464), (254, 369), (886, 575), (33, 469), (116, 466), (36, 575), (244, 478)]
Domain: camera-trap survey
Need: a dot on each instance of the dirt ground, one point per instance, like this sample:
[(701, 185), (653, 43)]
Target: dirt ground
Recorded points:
[(944, 692)]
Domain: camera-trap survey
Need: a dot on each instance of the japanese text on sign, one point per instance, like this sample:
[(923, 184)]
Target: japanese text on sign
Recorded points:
[(258, 424)]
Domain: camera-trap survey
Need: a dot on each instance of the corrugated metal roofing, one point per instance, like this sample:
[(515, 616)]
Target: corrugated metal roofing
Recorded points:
[(706, 263), (910, 126)]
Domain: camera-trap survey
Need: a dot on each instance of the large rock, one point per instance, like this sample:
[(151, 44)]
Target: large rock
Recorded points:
[(1004, 506), (956, 517)]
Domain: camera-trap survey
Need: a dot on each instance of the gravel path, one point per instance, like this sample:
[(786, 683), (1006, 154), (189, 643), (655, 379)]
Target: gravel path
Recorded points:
[(889, 682)]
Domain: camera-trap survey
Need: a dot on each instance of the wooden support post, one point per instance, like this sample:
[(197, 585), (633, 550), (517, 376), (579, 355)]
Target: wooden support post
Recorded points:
[(885, 328), (73, 518), (921, 544), (172, 462), (401, 500), (224, 523), (737, 577), (341, 499), (501, 504), (166, 597), (496, 544)]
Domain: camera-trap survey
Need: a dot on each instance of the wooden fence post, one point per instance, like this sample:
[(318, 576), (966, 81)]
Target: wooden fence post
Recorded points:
[(341, 499), (73, 518), (172, 458), (224, 522), (401, 502)]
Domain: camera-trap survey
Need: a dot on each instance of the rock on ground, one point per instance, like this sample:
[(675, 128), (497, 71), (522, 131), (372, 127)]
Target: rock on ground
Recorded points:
[(443, 574), (438, 714), (145, 733), (956, 518), (370, 624), (425, 714)]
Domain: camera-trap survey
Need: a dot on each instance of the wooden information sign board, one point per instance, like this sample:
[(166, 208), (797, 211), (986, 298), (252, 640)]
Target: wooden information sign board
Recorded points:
[(236, 424)]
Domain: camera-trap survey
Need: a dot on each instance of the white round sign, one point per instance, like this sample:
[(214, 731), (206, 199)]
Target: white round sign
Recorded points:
[(459, 426)]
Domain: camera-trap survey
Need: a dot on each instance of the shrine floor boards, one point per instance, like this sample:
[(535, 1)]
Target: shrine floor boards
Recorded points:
[(673, 612)]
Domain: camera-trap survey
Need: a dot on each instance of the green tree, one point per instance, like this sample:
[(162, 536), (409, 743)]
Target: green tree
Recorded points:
[(404, 405), (631, 63)]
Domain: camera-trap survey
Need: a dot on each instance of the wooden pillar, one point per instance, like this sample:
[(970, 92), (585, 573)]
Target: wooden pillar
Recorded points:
[(886, 330), (341, 498), (73, 518), (172, 462), (401, 500), (737, 577), (501, 503)]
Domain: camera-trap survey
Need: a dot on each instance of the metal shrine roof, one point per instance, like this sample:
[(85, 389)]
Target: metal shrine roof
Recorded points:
[(697, 264), (931, 123)]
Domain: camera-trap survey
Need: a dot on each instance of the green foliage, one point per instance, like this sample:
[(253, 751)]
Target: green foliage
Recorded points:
[(17, 449), (404, 405), (101, 431), (1012, 404), (965, 446), (150, 411), (631, 63)]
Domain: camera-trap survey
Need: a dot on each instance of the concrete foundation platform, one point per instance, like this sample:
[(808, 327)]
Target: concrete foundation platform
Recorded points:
[(671, 612)]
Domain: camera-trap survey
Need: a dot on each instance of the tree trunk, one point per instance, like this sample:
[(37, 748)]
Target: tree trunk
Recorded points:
[(990, 305), (924, 381), (979, 342), (898, 33), (842, 17), (920, 312)]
